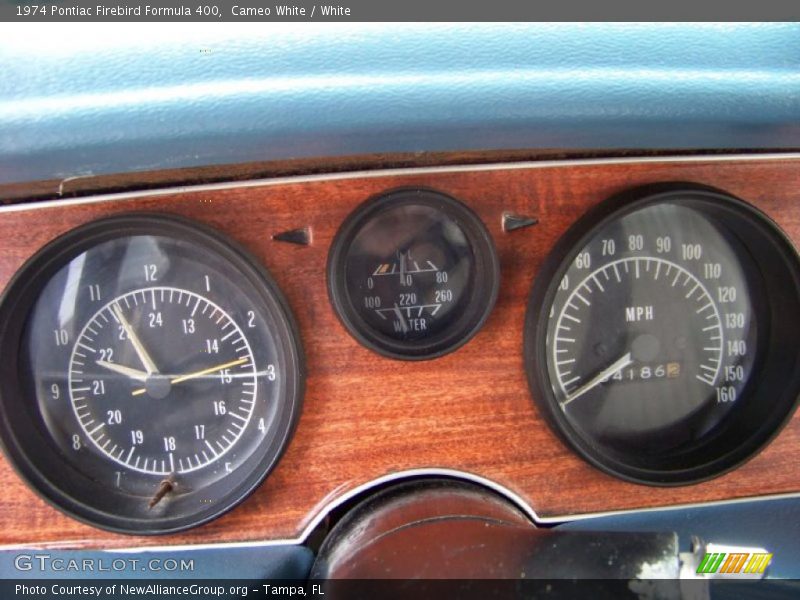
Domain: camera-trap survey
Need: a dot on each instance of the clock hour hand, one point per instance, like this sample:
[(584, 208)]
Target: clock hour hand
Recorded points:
[(135, 374)]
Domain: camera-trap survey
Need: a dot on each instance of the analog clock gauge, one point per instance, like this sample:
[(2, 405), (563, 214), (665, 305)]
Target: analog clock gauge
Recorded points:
[(153, 373), (660, 337)]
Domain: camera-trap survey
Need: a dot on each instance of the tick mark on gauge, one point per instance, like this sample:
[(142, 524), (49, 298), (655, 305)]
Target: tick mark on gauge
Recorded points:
[(210, 447), (704, 380), (706, 307)]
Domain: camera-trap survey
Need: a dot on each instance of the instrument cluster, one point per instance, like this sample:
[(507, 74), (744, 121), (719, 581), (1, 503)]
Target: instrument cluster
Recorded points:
[(154, 371)]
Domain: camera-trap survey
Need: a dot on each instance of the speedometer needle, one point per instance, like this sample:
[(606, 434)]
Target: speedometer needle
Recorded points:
[(617, 365), (196, 374), (147, 362)]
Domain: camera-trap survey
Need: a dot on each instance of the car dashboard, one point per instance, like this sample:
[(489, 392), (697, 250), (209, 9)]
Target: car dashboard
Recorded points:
[(560, 274)]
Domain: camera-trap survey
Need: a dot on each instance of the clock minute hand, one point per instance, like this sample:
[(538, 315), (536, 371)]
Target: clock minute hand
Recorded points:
[(143, 355)]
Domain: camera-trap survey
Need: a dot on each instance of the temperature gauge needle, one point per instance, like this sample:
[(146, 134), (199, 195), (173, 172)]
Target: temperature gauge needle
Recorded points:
[(609, 371), (148, 363), (196, 374)]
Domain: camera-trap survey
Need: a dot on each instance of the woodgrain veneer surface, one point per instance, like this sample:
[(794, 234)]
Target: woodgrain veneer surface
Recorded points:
[(366, 416)]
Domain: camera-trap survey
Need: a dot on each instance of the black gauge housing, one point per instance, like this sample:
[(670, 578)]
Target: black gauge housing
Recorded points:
[(93, 482), (714, 407), (413, 274)]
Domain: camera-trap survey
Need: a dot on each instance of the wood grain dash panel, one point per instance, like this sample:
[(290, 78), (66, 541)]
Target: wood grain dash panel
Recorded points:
[(367, 416)]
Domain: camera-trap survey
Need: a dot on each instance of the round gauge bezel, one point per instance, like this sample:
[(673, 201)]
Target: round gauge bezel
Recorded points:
[(773, 391), (23, 434), (483, 293)]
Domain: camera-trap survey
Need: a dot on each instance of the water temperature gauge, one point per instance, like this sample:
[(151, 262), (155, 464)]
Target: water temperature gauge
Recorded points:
[(413, 274)]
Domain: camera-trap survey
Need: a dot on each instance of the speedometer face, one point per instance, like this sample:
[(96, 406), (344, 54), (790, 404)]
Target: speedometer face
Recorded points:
[(655, 348), (158, 376), (660, 338), (413, 274)]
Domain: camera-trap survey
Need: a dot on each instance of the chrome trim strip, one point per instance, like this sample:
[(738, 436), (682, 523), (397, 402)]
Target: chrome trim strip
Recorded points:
[(514, 166)]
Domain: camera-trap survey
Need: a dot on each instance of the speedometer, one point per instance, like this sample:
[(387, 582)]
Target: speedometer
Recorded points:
[(660, 337), (153, 373)]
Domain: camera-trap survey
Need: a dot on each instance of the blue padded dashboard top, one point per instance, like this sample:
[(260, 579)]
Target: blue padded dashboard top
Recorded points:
[(99, 98)]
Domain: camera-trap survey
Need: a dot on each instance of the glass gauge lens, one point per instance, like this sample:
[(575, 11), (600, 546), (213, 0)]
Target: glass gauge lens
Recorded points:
[(413, 274), (655, 344), (157, 377)]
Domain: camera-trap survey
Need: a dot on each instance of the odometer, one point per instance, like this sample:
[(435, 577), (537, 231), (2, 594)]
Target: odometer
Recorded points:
[(659, 337), (153, 373)]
